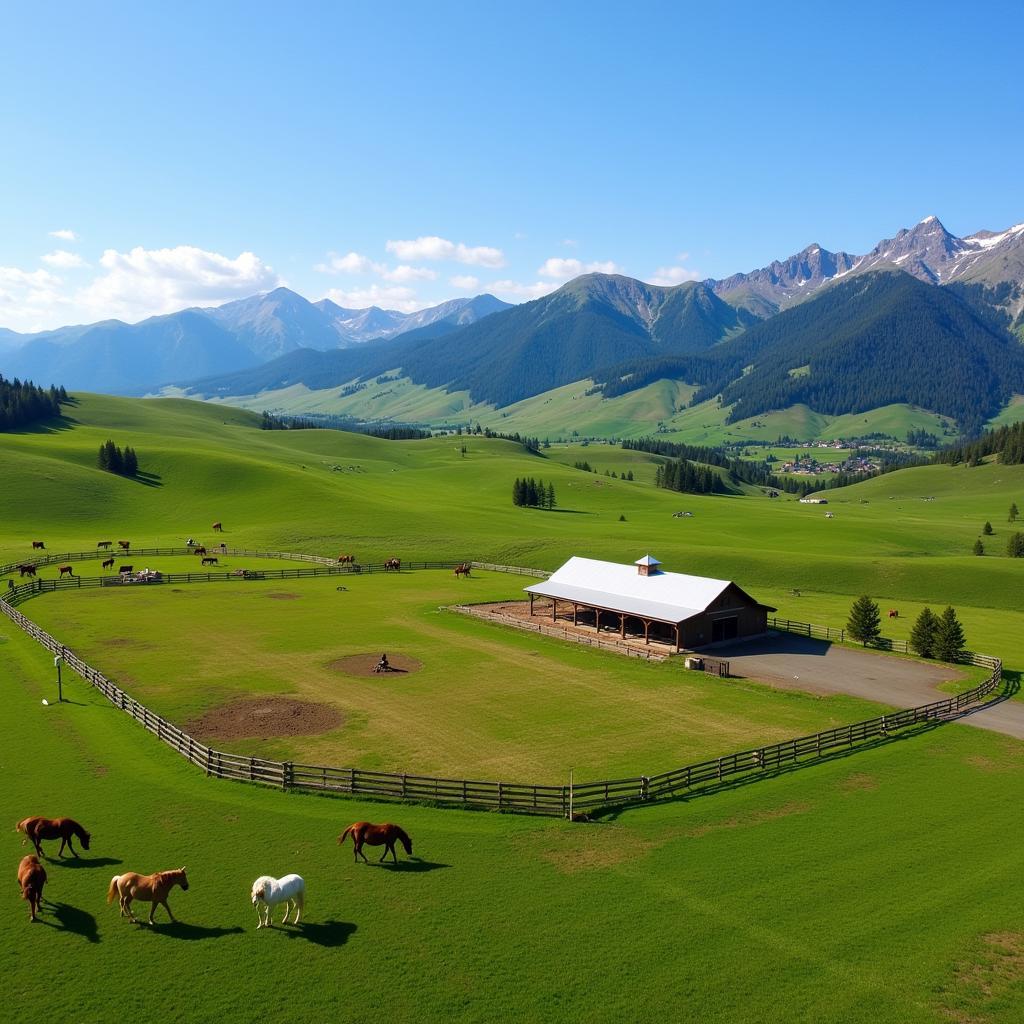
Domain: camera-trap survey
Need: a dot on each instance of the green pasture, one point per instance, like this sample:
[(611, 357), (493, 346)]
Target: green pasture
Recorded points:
[(876, 887), (490, 702)]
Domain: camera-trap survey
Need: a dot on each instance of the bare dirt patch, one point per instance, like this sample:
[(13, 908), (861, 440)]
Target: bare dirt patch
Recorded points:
[(858, 781), (746, 820), (265, 718), (587, 848), (281, 596), (364, 664), (986, 981)]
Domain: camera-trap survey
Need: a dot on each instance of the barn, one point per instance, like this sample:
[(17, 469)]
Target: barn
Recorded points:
[(642, 601)]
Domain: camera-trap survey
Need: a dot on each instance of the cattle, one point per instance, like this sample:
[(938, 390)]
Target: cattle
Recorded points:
[(199, 550), (107, 563), (104, 543), (27, 570), (217, 526), (210, 560), (38, 545), (124, 545), (126, 570)]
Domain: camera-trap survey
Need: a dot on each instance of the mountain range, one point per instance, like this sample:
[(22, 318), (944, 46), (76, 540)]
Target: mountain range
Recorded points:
[(120, 358), (925, 317)]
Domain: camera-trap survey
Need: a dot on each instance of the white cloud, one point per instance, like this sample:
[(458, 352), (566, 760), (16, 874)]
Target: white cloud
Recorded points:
[(403, 272), (430, 247), (146, 282), (29, 299), (668, 276), (519, 290), (66, 234), (388, 297), (570, 243), (63, 259), (466, 281), (350, 263), (559, 269)]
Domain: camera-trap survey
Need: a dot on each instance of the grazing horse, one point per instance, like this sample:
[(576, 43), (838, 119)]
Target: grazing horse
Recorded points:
[(124, 545), (27, 570), (199, 550), (393, 565), (107, 563), (267, 892), (31, 878), (63, 829), (346, 559), (66, 570), (38, 545), (210, 560), (151, 889), (126, 570), (104, 543), (894, 613), (217, 526), (376, 835), (462, 570)]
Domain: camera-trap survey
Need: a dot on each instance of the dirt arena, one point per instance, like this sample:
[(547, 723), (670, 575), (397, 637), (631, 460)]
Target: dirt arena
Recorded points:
[(364, 664), (265, 718)]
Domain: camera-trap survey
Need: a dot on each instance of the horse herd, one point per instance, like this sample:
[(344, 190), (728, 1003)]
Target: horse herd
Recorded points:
[(267, 892)]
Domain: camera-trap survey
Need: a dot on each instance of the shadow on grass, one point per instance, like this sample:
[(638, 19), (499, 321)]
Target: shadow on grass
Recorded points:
[(51, 426), (84, 862), (414, 865), (149, 479), (70, 919), (189, 932), (329, 934)]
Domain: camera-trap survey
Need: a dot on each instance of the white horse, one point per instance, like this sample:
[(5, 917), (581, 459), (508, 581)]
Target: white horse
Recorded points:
[(267, 892)]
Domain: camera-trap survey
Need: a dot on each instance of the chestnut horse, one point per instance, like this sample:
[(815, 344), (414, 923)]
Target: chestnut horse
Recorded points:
[(216, 526), (31, 878), (462, 570), (63, 829), (124, 545), (66, 570), (151, 889), (376, 835)]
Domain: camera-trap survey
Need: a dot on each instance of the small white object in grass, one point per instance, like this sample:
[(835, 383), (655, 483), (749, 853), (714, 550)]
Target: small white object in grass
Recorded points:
[(46, 703)]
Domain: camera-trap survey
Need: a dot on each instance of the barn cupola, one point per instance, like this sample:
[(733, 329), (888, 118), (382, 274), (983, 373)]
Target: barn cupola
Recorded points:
[(647, 566)]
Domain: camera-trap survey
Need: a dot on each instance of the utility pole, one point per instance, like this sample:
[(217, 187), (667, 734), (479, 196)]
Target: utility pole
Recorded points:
[(58, 661)]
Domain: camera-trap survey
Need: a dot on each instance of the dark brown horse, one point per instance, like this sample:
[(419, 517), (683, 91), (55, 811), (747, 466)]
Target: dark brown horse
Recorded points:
[(27, 570), (104, 543), (393, 565), (64, 829), (462, 570), (31, 878), (217, 526), (376, 835), (66, 570), (200, 550), (107, 563), (151, 888), (38, 545), (210, 560), (124, 545)]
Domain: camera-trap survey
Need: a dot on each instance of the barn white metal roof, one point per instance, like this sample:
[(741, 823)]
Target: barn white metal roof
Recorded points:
[(667, 596)]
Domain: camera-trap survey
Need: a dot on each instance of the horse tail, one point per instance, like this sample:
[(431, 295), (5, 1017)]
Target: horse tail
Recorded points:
[(112, 891), (344, 836)]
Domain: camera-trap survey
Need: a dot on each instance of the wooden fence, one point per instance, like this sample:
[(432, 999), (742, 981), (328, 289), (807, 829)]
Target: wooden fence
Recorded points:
[(534, 799)]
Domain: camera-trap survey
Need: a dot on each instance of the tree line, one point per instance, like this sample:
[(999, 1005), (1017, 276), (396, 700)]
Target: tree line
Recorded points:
[(114, 460), (532, 493), (933, 636), (23, 403), (1006, 443)]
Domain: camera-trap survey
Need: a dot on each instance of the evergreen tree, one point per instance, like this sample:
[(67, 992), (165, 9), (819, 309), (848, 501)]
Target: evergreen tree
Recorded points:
[(979, 548), (531, 492), (629, 475), (949, 637), (1012, 518), (865, 622), (103, 460), (922, 636), (116, 458), (550, 497), (1015, 545), (987, 529), (131, 462), (517, 492)]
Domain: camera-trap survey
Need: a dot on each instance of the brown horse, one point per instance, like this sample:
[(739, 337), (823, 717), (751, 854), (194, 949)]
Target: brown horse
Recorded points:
[(66, 570), (151, 889), (346, 559), (200, 550), (124, 545), (27, 570), (107, 563), (462, 570), (31, 878), (210, 560), (894, 613), (393, 565), (38, 545), (217, 526), (104, 543), (376, 835), (64, 829)]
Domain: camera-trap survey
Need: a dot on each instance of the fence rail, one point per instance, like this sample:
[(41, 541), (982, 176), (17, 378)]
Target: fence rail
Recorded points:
[(523, 797)]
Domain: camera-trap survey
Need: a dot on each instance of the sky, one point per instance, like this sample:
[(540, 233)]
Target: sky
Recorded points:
[(154, 157)]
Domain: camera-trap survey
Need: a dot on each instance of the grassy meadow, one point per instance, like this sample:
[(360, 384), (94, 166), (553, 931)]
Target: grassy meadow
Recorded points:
[(879, 885)]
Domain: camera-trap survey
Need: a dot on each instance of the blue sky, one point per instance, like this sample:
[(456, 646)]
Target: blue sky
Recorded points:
[(200, 152)]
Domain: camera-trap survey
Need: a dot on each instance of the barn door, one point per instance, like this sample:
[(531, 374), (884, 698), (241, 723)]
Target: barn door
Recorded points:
[(724, 629)]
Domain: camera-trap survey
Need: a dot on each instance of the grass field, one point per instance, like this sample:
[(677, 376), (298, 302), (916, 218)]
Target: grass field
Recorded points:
[(879, 886)]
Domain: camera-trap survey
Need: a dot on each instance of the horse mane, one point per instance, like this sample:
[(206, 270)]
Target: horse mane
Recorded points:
[(79, 830), (404, 836)]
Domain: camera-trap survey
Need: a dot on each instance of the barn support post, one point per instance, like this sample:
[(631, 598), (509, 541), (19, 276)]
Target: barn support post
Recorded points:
[(554, 608), (622, 625), (647, 631), (531, 606), (678, 638), (597, 620), (575, 612)]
